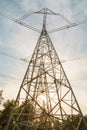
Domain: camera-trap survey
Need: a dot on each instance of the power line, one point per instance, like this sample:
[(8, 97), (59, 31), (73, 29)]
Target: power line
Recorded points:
[(25, 59), (70, 25), (14, 78), (19, 22), (8, 55), (67, 26), (50, 12), (25, 16), (8, 76), (74, 59), (14, 57), (62, 16), (73, 80)]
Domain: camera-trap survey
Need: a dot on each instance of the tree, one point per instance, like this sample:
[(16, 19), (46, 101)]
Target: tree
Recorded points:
[(1, 98), (5, 113), (40, 124), (19, 121)]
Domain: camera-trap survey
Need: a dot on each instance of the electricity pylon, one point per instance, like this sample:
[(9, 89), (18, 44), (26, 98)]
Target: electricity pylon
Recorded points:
[(45, 100)]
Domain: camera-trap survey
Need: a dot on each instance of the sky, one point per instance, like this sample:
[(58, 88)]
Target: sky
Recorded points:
[(19, 41)]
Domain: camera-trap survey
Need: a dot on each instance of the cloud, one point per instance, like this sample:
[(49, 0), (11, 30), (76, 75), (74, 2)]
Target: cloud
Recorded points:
[(29, 5)]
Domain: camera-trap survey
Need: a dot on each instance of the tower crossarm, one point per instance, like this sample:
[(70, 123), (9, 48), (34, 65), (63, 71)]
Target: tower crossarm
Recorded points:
[(67, 26), (19, 22)]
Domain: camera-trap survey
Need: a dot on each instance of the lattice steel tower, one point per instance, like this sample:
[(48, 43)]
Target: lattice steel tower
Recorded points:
[(45, 100)]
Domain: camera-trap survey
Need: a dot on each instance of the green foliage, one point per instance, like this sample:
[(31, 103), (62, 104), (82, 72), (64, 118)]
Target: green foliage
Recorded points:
[(41, 123), (5, 113), (25, 108), (57, 125), (1, 98), (27, 114)]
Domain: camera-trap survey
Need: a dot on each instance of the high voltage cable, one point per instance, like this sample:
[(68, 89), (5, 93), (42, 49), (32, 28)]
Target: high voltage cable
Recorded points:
[(70, 25), (8, 76), (77, 79), (25, 59), (74, 59), (14, 78), (50, 12), (19, 22), (67, 26), (8, 55), (25, 16), (14, 57)]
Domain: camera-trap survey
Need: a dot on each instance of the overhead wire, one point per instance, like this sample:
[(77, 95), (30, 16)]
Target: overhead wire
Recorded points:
[(62, 16), (8, 76), (74, 59), (25, 16), (19, 22), (8, 55), (14, 57), (73, 80), (50, 12), (26, 59), (70, 25), (67, 26), (14, 78)]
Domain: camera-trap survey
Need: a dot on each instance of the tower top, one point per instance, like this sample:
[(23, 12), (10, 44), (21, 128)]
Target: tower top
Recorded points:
[(45, 12)]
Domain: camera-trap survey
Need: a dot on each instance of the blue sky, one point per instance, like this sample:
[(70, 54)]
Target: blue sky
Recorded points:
[(20, 42)]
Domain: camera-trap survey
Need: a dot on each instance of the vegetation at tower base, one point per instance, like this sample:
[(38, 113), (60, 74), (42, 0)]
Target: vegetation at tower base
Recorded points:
[(1, 97), (5, 113), (40, 124)]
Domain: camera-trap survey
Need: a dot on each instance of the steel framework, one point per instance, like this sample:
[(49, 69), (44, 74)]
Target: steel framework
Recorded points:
[(45, 100)]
